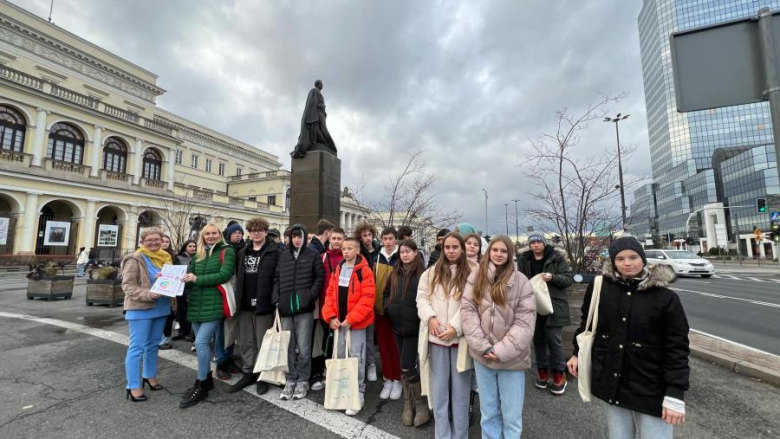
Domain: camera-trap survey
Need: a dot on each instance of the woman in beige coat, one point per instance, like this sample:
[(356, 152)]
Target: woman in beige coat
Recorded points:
[(498, 312), (438, 305)]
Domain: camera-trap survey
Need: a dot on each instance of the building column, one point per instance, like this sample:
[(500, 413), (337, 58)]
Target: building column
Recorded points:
[(749, 245), (87, 228), (170, 170), (31, 214), (761, 249), (129, 232), (342, 221), (97, 149), (138, 160), (40, 137)]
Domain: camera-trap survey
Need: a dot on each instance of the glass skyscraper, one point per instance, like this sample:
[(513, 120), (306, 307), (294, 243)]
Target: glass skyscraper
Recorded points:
[(682, 144)]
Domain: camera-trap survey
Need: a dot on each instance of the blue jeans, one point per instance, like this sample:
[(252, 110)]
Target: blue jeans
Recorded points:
[(501, 395), (145, 335), (624, 423), (204, 331), (81, 268), (220, 352)]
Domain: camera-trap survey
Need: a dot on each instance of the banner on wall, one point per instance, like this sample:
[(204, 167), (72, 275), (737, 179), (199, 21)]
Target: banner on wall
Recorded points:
[(57, 234), (108, 235)]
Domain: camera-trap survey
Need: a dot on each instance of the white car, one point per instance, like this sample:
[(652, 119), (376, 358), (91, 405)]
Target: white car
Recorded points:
[(681, 261)]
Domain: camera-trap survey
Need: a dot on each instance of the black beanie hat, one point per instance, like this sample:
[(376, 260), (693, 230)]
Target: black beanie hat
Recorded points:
[(627, 243)]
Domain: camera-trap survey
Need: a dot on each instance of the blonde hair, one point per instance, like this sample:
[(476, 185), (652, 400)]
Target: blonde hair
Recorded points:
[(496, 288), (442, 275), (151, 231), (201, 253)]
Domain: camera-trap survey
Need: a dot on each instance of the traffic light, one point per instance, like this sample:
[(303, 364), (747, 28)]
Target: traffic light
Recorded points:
[(776, 231), (761, 205)]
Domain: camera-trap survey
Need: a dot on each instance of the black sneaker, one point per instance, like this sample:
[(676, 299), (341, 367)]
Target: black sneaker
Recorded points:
[(246, 380), (558, 385), (194, 395), (543, 379), (208, 383), (262, 387), (222, 372), (232, 367)]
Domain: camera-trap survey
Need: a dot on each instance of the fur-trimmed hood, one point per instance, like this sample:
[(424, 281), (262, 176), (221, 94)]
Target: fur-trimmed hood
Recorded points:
[(549, 251), (654, 275)]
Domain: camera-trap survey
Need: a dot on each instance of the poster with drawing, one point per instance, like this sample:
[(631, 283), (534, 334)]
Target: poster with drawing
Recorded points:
[(4, 224), (57, 234), (107, 235)]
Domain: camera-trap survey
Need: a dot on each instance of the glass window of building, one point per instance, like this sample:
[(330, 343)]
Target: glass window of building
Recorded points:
[(12, 127), (179, 157), (221, 169), (272, 200), (66, 143), (115, 156), (152, 164), (194, 162), (239, 171), (208, 165)]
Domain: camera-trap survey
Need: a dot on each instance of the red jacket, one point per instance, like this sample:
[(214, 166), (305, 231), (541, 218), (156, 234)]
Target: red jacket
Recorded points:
[(360, 298)]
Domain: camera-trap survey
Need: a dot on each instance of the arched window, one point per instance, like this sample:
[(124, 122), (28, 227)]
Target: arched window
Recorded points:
[(66, 143), (152, 164), (12, 127), (115, 156)]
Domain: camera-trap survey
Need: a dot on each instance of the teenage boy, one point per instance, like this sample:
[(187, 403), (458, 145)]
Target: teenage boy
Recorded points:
[(436, 253), (404, 232), (384, 264), (273, 234), (297, 284), (365, 233), (330, 260), (544, 259), (319, 241), (253, 290), (349, 306), (235, 236)]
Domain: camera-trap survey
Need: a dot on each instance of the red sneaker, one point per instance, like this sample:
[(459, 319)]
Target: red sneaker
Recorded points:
[(558, 385), (544, 377)]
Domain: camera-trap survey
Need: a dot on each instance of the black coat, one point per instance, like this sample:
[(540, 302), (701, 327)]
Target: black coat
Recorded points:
[(316, 244), (269, 257), (640, 353), (435, 255), (402, 310), (555, 264), (297, 282)]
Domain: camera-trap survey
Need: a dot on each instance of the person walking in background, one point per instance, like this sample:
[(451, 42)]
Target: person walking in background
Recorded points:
[(81, 261), (384, 264), (349, 306), (187, 252), (498, 312), (543, 259), (436, 253), (400, 301), (253, 291), (145, 312), (639, 358), (297, 284), (165, 343), (439, 294), (213, 265), (365, 232)]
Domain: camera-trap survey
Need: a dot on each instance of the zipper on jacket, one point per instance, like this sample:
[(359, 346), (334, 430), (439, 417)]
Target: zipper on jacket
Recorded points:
[(492, 315)]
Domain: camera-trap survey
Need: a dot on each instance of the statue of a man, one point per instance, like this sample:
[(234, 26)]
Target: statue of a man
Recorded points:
[(314, 131)]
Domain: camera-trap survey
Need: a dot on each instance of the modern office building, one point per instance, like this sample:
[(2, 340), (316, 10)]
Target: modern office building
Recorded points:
[(683, 145)]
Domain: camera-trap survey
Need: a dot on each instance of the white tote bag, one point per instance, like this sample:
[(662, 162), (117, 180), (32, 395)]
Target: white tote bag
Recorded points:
[(277, 377), (544, 304), (273, 352), (341, 382), (585, 342)]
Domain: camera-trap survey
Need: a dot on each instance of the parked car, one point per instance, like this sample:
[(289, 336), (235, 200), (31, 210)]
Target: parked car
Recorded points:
[(681, 261)]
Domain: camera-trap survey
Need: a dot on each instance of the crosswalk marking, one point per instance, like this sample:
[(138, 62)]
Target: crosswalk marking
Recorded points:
[(756, 279)]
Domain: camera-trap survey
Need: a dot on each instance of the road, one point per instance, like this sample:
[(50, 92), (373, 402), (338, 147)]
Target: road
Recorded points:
[(743, 307)]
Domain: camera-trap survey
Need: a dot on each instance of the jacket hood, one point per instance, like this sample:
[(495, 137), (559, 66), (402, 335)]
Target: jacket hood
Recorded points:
[(654, 275), (549, 252), (390, 255), (302, 228), (360, 262)]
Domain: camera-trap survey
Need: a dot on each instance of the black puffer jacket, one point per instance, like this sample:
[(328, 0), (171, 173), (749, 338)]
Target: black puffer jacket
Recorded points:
[(269, 257), (555, 264), (402, 310), (435, 255), (641, 349), (297, 282)]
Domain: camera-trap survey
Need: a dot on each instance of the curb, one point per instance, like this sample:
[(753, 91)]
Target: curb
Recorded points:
[(760, 365)]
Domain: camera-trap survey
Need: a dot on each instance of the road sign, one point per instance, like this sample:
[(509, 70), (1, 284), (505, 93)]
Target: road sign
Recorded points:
[(774, 216)]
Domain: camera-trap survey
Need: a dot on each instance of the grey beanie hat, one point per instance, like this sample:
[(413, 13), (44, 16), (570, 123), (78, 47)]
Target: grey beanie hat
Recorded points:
[(626, 243), (534, 238)]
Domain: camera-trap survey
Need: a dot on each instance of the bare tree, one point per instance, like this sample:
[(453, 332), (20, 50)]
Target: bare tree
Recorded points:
[(409, 198), (180, 215), (576, 194)]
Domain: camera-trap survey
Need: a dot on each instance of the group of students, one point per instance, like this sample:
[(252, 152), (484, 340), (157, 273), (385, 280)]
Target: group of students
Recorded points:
[(461, 325)]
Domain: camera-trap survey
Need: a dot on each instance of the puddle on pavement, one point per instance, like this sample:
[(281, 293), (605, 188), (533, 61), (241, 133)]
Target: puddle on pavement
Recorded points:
[(101, 321)]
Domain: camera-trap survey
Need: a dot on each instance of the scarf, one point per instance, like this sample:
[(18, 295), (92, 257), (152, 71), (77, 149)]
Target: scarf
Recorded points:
[(157, 258)]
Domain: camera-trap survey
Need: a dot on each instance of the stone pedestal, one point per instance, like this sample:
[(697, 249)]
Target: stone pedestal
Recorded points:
[(315, 189), (105, 292)]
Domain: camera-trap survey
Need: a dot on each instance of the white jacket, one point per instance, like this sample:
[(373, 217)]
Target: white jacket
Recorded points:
[(83, 258), (442, 305)]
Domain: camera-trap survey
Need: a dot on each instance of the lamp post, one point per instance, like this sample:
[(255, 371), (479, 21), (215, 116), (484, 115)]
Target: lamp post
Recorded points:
[(506, 217), (517, 228), (487, 232), (616, 120)]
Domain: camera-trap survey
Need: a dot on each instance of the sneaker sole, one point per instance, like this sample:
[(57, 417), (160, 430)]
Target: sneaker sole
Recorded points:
[(538, 386), (296, 397), (559, 392)]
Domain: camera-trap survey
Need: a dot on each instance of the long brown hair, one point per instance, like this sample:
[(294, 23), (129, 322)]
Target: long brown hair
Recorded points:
[(442, 274), (495, 288), (479, 241), (414, 269)]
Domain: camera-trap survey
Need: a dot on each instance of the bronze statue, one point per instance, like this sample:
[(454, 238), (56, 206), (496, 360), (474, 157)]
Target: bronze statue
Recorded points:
[(314, 131)]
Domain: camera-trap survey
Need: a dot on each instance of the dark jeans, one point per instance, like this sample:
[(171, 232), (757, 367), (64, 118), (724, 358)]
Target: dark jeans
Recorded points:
[(548, 346), (181, 315), (168, 329), (407, 348)]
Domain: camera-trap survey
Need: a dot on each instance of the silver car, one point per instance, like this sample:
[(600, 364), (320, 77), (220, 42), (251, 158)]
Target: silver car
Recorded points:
[(681, 261)]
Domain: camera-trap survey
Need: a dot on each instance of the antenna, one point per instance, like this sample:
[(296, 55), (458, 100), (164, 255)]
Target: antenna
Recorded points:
[(51, 9)]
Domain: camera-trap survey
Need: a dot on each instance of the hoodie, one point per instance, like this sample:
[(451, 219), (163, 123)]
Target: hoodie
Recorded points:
[(298, 279)]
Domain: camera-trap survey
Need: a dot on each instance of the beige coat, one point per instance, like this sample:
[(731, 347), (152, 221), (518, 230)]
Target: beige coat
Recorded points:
[(508, 329), (136, 284)]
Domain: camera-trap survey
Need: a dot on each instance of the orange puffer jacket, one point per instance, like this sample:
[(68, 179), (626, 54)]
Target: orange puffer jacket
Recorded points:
[(360, 298)]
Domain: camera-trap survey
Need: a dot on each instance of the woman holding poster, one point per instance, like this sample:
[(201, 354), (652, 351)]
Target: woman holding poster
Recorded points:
[(145, 312)]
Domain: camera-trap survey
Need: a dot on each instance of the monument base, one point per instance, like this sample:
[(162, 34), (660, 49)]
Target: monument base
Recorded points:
[(315, 189)]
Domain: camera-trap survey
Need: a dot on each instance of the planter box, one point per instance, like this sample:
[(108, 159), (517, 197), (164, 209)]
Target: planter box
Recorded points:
[(105, 292), (50, 287)]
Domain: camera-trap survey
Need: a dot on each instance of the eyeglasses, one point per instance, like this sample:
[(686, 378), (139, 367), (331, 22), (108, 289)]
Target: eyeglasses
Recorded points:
[(152, 240)]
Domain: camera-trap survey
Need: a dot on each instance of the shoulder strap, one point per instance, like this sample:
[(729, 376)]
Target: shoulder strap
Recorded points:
[(222, 255), (593, 311)]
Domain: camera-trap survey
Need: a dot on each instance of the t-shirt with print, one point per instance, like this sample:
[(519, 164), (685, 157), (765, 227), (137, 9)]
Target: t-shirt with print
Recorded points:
[(251, 266)]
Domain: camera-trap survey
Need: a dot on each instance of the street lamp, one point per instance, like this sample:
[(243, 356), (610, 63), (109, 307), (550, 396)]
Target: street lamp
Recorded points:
[(487, 232), (616, 120), (517, 228), (506, 217)]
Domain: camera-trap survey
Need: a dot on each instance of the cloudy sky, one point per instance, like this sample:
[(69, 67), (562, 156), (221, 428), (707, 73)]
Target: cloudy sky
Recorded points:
[(467, 82)]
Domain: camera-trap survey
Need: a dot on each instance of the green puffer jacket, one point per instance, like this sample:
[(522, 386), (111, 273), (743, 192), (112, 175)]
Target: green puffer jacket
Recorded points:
[(205, 300)]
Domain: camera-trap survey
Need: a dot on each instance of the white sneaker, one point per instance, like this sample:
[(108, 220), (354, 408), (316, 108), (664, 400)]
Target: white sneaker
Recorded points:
[(318, 385), (350, 412), (387, 389), (397, 390), (371, 373)]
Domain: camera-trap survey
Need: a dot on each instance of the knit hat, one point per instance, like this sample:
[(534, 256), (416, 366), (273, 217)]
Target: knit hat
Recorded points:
[(274, 232), (534, 238), (232, 229), (626, 243), (466, 229)]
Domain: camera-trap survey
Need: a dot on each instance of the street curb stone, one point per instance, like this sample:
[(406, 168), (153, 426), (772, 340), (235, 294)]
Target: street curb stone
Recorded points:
[(744, 361)]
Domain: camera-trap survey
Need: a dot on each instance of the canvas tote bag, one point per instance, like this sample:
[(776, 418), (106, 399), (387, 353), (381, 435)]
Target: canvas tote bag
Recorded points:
[(585, 342), (273, 352), (544, 306), (341, 382)]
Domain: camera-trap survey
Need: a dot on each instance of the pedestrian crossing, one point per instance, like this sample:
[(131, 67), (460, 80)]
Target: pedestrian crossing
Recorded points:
[(746, 278)]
